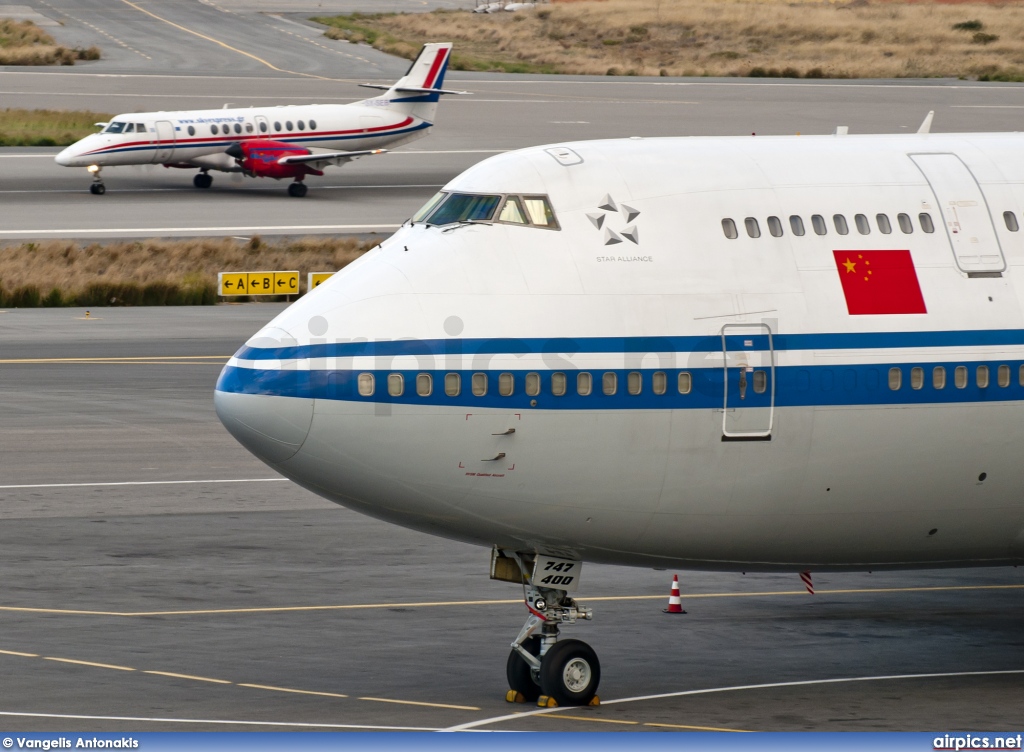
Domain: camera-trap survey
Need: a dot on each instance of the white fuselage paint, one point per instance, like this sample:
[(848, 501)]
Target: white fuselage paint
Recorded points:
[(855, 475)]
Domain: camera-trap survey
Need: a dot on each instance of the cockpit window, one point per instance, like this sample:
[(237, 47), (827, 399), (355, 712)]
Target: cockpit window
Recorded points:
[(115, 128), (429, 206), (512, 212), (130, 128), (464, 207), (540, 211)]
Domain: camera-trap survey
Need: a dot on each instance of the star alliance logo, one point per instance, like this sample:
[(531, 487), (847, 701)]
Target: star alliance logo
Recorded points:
[(607, 209)]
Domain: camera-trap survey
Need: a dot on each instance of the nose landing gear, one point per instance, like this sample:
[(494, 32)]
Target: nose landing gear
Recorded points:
[(97, 188), (540, 668)]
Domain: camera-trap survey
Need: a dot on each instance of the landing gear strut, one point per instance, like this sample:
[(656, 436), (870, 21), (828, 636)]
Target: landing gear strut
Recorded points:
[(202, 180), (540, 668), (297, 189), (97, 188)]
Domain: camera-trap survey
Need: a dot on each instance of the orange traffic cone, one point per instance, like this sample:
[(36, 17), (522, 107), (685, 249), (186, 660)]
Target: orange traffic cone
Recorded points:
[(675, 604)]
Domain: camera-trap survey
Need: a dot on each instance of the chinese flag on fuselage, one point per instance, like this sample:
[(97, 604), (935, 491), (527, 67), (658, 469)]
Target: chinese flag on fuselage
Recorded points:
[(877, 282)]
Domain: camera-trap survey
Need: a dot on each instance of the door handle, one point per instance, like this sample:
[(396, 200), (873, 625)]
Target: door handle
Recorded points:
[(498, 456), (509, 432)]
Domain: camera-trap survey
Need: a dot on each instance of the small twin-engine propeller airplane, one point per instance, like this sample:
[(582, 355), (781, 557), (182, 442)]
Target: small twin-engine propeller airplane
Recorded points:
[(270, 142)]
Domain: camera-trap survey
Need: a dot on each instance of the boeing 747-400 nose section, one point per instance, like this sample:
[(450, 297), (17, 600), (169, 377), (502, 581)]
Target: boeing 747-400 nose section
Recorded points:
[(267, 405)]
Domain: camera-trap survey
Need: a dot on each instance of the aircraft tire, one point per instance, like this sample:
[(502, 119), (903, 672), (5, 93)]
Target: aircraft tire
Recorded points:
[(570, 673), (202, 180), (97, 189), (519, 674), (298, 190)]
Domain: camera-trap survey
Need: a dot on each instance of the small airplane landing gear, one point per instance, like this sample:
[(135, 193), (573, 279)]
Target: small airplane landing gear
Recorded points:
[(97, 188), (202, 180), (297, 189), (540, 668)]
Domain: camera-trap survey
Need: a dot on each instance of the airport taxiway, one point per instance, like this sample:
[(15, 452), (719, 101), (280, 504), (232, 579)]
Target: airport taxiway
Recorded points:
[(156, 576)]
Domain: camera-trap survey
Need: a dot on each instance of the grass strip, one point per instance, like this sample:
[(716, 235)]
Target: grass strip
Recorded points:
[(47, 127), (24, 43), (156, 272), (773, 38)]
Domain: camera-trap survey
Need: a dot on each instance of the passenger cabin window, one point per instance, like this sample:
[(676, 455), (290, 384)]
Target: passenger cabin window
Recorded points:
[(312, 125), (365, 384), (659, 382), (895, 379), (863, 227), (981, 377), (288, 124), (634, 382), (729, 228), (302, 125), (584, 383), (916, 378), (960, 377), (277, 126), (839, 221), (512, 212), (1003, 376), (775, 227), (818, 223), (753, 229), (610, 383), (532, 384), (452, 384), (796, 224), (882, 220), (558, 384), (1011, 221), (479, 384), (396, 384), (238, 128), (685, 382), (191, 131), (214, 130), (248, 127), (506, 384), (424, 384), (926, 222), (539, 211), (905, 224), (938, 377), (263, 127)]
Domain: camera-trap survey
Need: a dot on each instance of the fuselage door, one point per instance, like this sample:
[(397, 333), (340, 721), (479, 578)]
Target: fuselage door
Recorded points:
[(165, 141), (964, 212), (749, 382)]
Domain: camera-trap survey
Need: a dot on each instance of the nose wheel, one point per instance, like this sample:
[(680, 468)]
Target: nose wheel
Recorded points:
[(97, 188)]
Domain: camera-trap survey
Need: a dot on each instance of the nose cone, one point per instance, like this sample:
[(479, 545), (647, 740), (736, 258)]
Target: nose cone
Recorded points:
[(66, 157), (267, 408)]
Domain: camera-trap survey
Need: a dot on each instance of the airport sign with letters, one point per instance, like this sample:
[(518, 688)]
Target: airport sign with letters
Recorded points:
[(258, 283), (315, 279)]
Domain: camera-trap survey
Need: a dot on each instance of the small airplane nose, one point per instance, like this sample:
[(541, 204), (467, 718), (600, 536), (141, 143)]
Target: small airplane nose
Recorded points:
[(65, 157), (267, 415)]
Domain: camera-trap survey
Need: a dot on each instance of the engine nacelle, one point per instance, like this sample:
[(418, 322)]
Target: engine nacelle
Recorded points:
[(260, 158)]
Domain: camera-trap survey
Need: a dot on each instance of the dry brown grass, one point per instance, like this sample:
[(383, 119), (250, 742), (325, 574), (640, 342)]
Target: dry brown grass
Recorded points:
[(154, 272), (24, 43), (714, 38)]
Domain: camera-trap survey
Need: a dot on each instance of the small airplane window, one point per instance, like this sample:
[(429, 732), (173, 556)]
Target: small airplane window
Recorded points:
[(895, 378), (424, 384), (729, 228), (1003, 376), (238, 128), (916, 378), (506, 384), (584, 383), (130, 128), (659, 382), (1011, 221), (905, 224), (277, 126), (396, 384), (558, 384), (818, 223), (263, 127), (862, 224), (882, 220), (365, 382), (452, 384), (312, 125), (248, 127), (288, 124), (512, 212), (140, 127), (840, 224), (610, 383), (760, 382), (429, 206), (938, 377), (464, 207), (753, 228), (539, 211), (981, 377), (775, 227), (532, 384), (191, 131), (302, 125), (634, 382), (796, 224), (479, 384), (960, 377), (685, 382), (213, 130), (926, 222), (1020, 375)]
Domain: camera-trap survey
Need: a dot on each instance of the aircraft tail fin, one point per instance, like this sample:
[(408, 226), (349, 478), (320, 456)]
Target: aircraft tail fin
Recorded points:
[(419, 90)]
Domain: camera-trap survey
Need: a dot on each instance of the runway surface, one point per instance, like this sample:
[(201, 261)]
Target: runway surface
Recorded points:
[(156, 576)]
